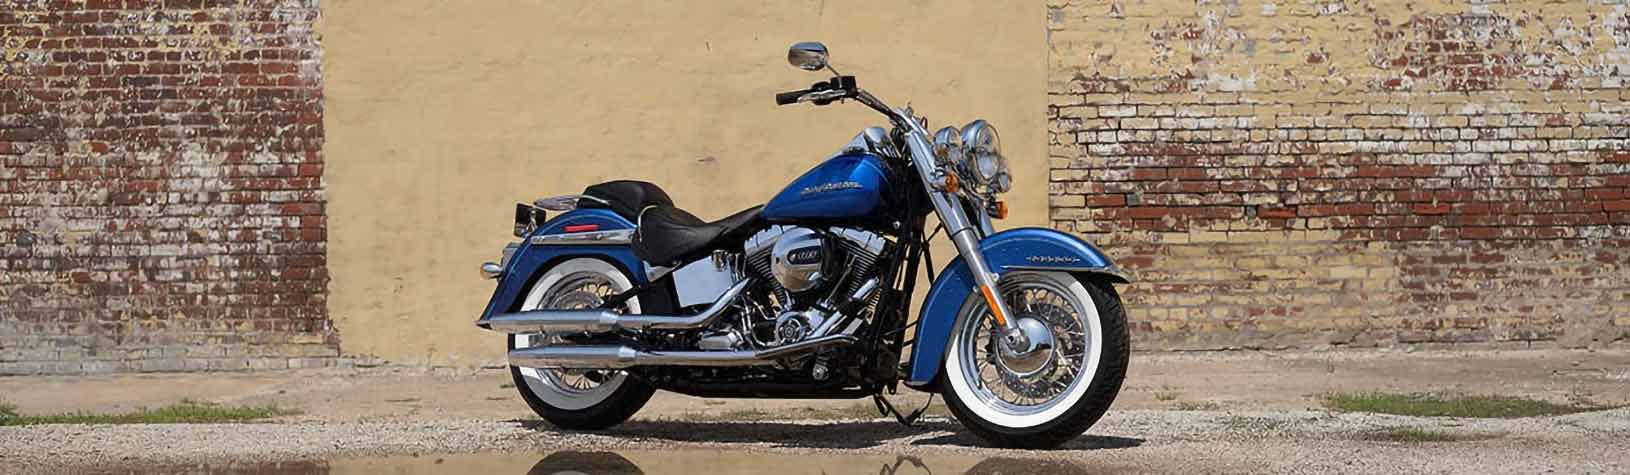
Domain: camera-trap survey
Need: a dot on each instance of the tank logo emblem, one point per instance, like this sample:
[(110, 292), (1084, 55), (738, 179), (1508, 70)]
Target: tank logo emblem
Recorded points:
[(1053, 259), (831, 186)]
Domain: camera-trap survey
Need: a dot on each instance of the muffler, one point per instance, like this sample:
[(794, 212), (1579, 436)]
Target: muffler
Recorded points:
[(602, 320), (619, 356)]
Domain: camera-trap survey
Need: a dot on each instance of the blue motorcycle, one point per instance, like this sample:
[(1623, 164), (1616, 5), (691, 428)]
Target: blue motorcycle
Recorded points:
[(808, 296)]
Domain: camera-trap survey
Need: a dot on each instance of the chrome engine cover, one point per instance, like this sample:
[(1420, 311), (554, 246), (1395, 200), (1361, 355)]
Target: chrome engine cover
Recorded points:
[(793, 326), (802, 259), (798, 258)]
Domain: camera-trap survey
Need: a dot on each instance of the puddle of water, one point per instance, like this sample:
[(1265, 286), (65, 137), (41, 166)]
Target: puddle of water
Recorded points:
[(685, 462)]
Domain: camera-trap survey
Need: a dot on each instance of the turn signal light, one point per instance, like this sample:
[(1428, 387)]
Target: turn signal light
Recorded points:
[(951, 184), (999, 210)]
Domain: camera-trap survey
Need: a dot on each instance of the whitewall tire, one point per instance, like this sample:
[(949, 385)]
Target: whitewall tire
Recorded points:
[(1038, 400), (577, 399)]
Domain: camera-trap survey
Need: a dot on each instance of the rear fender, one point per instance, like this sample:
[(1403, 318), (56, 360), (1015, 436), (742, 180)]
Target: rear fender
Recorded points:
[(1014, 249), (537, 253)]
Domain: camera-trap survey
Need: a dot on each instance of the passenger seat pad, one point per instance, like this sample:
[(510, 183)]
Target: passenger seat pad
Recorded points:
[(626, 197)]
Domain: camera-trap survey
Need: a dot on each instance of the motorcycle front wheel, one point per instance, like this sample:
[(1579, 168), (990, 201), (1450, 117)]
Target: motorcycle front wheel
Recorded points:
[(1048, 396)]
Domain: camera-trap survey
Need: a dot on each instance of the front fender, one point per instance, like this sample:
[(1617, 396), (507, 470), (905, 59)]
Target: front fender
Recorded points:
[(530, 259), (1014, 249)]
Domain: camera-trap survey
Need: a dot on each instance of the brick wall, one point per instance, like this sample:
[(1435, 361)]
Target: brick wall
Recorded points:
[(1301, 174), (161, 204), (1275, 174)]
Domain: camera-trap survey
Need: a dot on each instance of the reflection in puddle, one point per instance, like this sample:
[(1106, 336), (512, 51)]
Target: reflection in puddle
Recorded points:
[(566, 462), (561, 463), (687, 462)]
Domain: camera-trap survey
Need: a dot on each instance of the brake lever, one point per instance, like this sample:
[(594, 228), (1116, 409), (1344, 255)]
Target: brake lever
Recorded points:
[(822, 93), (821, 98), (838, 88)]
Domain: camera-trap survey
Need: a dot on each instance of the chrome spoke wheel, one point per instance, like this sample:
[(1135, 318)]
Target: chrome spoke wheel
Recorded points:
[(577, 284), (1015, 388), (1030, 383)]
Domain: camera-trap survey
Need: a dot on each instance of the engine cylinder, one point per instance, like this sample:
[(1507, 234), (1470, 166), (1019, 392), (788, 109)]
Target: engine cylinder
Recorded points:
[(807, 265)]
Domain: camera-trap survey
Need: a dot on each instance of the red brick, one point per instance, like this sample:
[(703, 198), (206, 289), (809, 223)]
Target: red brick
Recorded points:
[(1148, 174), (1276, 212), (1148, 212), (1097, 201), (1423, 208)]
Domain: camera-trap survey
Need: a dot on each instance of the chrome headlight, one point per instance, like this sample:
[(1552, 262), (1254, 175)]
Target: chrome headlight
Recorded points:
[(982, 151), (948, 147)]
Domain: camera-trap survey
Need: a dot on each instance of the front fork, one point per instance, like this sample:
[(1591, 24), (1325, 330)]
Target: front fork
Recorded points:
[(965, 236)]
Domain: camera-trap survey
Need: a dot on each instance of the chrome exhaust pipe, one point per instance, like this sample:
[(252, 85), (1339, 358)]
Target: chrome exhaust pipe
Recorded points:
[(602, 320), (619, 357)]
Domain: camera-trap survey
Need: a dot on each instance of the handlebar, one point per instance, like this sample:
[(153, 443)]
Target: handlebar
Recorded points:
[(791, 97), (821, 93), (844, 87)]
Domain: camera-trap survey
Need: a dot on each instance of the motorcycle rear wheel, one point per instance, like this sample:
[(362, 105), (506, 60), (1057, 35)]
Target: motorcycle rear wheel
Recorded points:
[(1041, 400), (570, 398)]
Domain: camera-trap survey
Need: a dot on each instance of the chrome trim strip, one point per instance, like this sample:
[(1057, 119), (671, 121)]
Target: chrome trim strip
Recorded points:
[(600, 320), (590, 238), (1112, 271), (619, 357)]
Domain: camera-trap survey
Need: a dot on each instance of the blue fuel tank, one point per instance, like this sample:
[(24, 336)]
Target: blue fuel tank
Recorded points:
[(846, 188)]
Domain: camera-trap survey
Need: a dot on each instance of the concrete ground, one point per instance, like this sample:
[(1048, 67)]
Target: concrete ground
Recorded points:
[(1224, 411)]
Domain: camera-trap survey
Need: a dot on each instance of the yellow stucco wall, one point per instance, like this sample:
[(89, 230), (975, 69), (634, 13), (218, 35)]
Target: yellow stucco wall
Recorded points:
[(441, 115)]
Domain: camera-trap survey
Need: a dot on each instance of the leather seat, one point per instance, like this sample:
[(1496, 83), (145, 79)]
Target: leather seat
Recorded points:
[(625, 197), (668, 236)]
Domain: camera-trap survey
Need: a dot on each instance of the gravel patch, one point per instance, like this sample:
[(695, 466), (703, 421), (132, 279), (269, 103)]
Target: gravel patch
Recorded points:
[(1135, 440)]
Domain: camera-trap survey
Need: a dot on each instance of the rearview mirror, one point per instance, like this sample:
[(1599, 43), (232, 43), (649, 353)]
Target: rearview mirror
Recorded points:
[(807, 55)]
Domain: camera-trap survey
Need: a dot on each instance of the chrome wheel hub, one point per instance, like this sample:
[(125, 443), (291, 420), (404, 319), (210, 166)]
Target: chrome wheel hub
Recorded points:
[(1027, 362)]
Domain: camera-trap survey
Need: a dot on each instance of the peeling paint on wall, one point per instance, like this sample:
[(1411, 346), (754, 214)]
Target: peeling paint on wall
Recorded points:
[(1285, 174)]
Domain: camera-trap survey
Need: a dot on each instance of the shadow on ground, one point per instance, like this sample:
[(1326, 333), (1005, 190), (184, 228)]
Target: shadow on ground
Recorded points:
[(831, 435)]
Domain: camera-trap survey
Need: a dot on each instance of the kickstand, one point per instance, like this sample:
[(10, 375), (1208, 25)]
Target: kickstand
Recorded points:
[(886, 408)]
